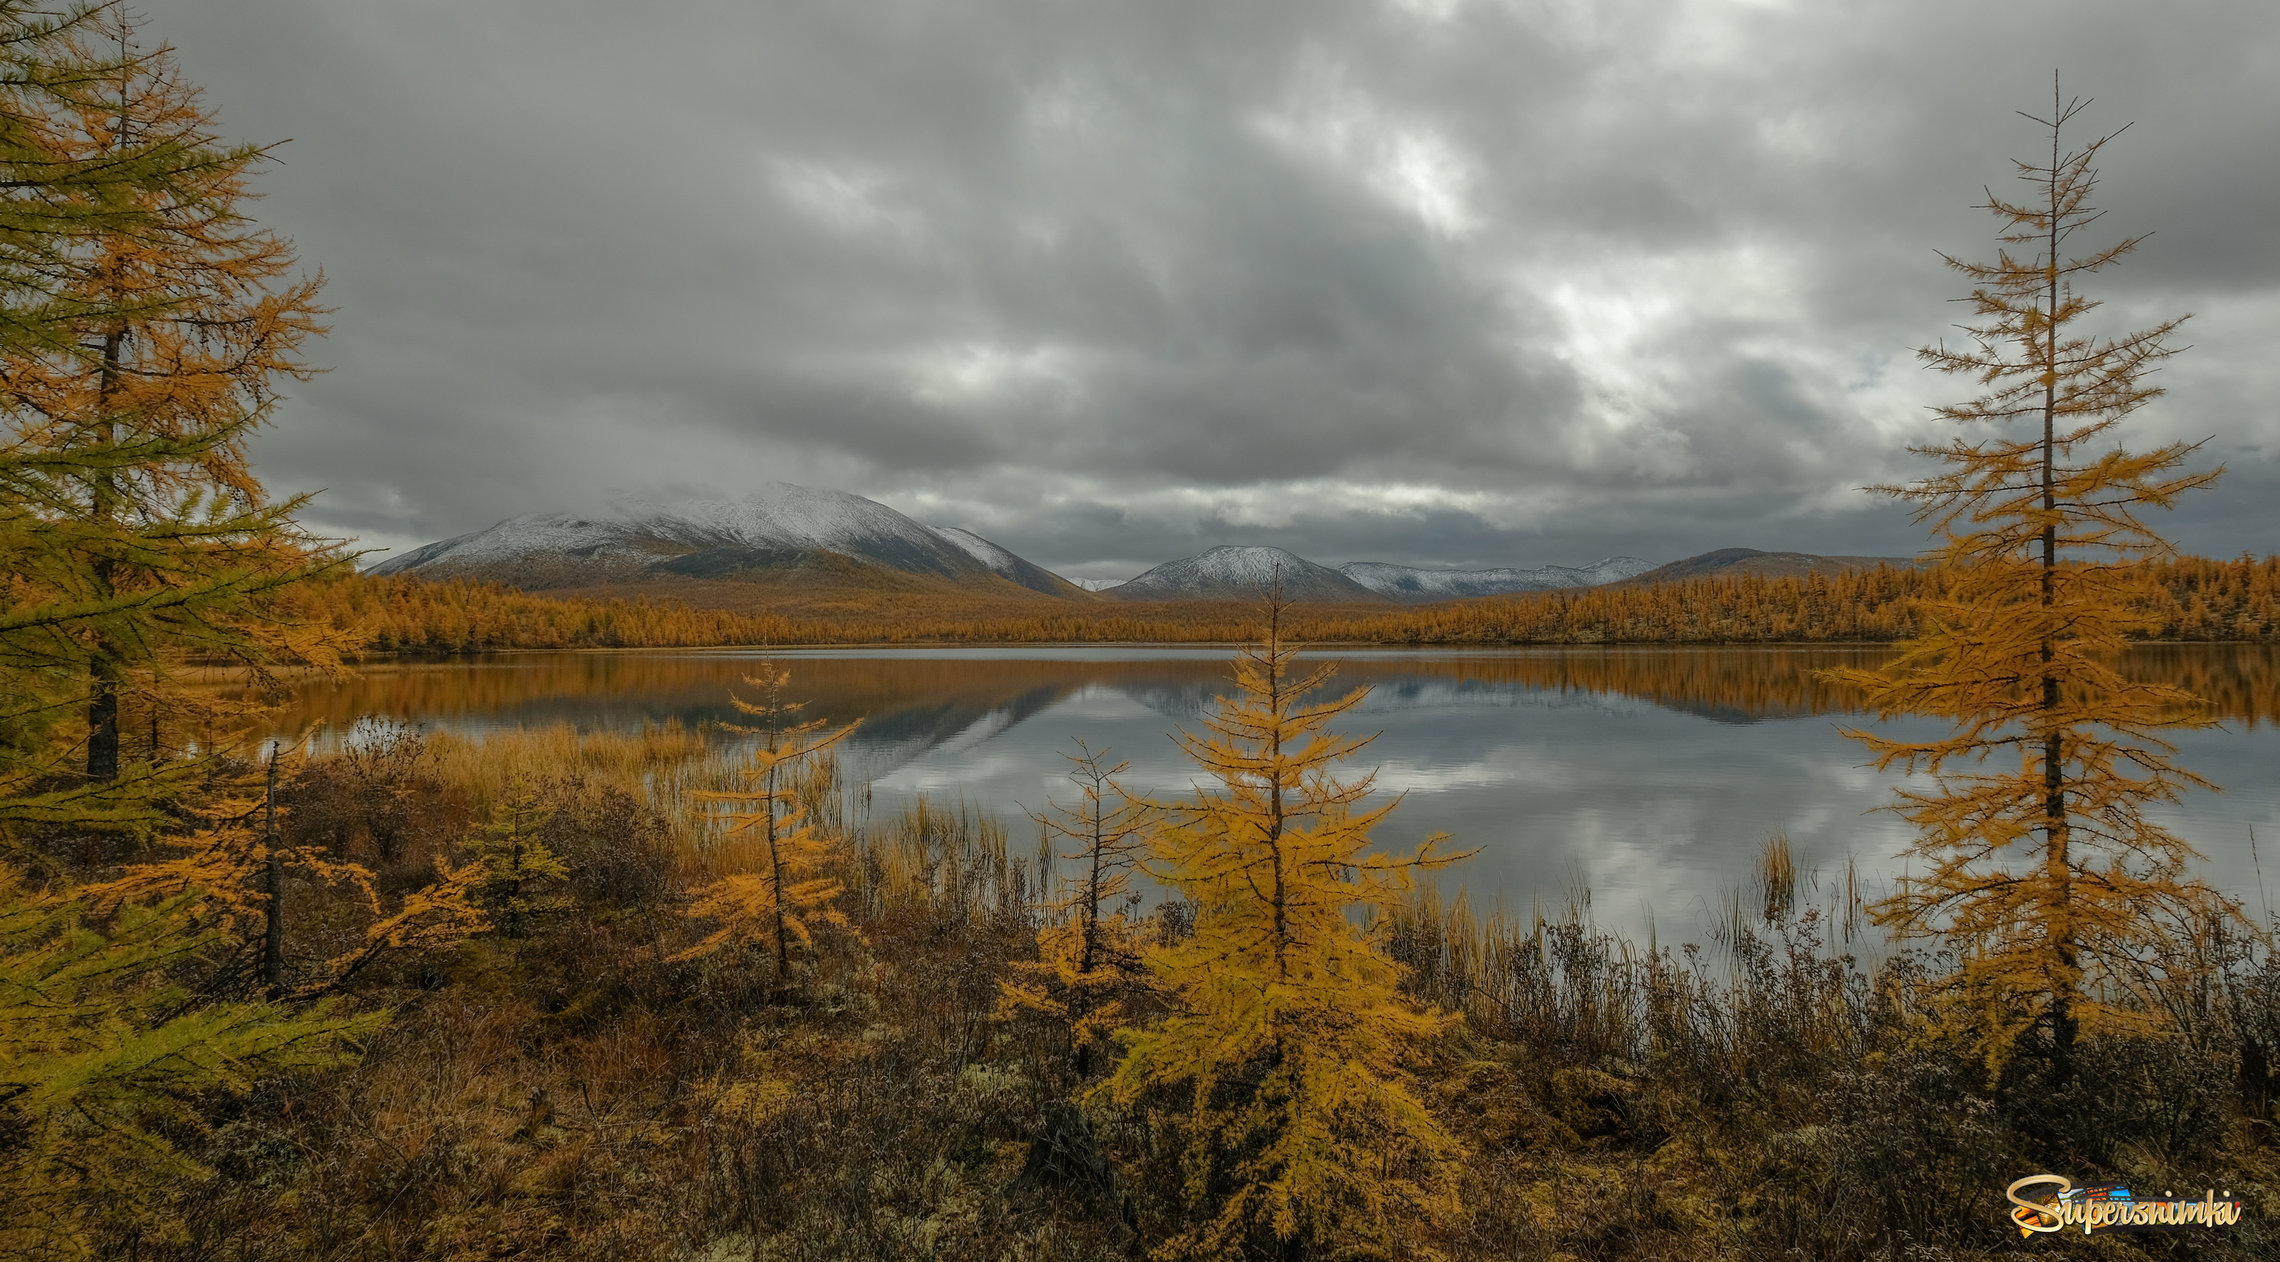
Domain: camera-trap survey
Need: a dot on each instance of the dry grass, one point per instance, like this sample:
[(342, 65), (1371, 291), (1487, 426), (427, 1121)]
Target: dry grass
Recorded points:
[(663, 766), (1774, 1098)]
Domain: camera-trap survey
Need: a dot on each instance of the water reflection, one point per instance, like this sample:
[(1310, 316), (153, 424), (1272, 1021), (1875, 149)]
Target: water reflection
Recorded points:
[(1649, 776)]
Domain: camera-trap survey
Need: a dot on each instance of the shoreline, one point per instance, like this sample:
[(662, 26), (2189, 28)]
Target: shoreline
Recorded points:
[(1222, 645)]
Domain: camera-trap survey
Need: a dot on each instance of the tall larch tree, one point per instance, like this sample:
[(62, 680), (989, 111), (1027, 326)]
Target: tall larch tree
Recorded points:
[(2042, 870), (134, 530), (785, 889), (1288, 1032), (127, 530)]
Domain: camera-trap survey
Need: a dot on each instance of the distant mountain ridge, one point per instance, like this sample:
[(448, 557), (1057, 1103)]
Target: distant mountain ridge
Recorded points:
[(1003, 563), (783, 542), (779, 529), (1239, 573)]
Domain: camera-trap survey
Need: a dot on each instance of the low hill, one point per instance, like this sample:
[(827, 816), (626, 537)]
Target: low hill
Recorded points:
[(1734, 562)]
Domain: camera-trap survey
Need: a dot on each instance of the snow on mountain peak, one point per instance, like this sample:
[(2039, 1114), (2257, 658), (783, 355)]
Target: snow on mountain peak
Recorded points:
[(1236, 572), (636, 537)]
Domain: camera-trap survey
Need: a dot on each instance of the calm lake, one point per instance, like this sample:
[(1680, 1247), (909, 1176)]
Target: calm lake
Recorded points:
[(1648, 777)]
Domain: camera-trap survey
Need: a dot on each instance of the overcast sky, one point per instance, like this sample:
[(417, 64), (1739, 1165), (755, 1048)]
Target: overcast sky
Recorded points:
[(1433, 281)]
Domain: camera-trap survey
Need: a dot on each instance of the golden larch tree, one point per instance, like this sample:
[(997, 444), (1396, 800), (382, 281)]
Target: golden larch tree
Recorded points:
[(1088, 951), (788, 891), (1288, 1031), (109, 1061), (128, 532), (2043, 872), (145, 534), (516, 872)]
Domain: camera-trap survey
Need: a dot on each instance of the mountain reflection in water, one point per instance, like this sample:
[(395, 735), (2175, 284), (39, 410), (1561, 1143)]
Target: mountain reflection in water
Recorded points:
[(1648, 776)]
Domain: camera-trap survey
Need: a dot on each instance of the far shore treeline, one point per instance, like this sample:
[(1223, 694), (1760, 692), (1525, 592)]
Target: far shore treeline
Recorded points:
[(2188, 599)]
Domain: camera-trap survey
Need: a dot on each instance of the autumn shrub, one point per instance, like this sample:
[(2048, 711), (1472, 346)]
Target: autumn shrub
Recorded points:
[(618, 848), (379, 801), (1778, 1098)]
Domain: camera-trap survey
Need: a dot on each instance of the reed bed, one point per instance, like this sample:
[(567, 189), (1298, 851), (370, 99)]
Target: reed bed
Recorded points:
[(660, 764)]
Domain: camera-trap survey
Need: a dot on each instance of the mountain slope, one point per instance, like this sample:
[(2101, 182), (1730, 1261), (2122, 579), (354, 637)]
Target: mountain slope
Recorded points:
[(1239, 573), (1007, 566), (780, 534), (1413, 583)]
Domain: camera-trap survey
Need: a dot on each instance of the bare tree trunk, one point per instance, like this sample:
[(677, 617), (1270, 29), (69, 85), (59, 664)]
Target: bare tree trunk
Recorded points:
[(103, 665), (1275, 789), (103, 710), (2055, 831), (273, 885)]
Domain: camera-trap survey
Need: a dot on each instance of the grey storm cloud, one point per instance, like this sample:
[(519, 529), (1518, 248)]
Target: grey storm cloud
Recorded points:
[(1432, 281)]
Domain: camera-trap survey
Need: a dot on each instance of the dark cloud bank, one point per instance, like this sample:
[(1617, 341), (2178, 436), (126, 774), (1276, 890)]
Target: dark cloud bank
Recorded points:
[(1431, 281)]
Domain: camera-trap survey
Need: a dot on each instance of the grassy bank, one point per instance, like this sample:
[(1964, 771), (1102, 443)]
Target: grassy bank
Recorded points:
[(582, 1093)]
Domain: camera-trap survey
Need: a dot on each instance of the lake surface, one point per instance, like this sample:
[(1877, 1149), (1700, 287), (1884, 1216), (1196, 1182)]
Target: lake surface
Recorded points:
[(1649, 777)]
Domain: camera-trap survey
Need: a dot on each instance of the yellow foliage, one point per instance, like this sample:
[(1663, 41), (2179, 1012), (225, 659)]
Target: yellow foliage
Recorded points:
[(226, 856), (1288, 1030), (105, 1058), (431, 918), (222, 858)]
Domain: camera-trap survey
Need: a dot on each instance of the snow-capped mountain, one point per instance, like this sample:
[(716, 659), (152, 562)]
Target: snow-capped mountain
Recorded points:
[(1409, 582), (1236, 573), (776, 525)]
